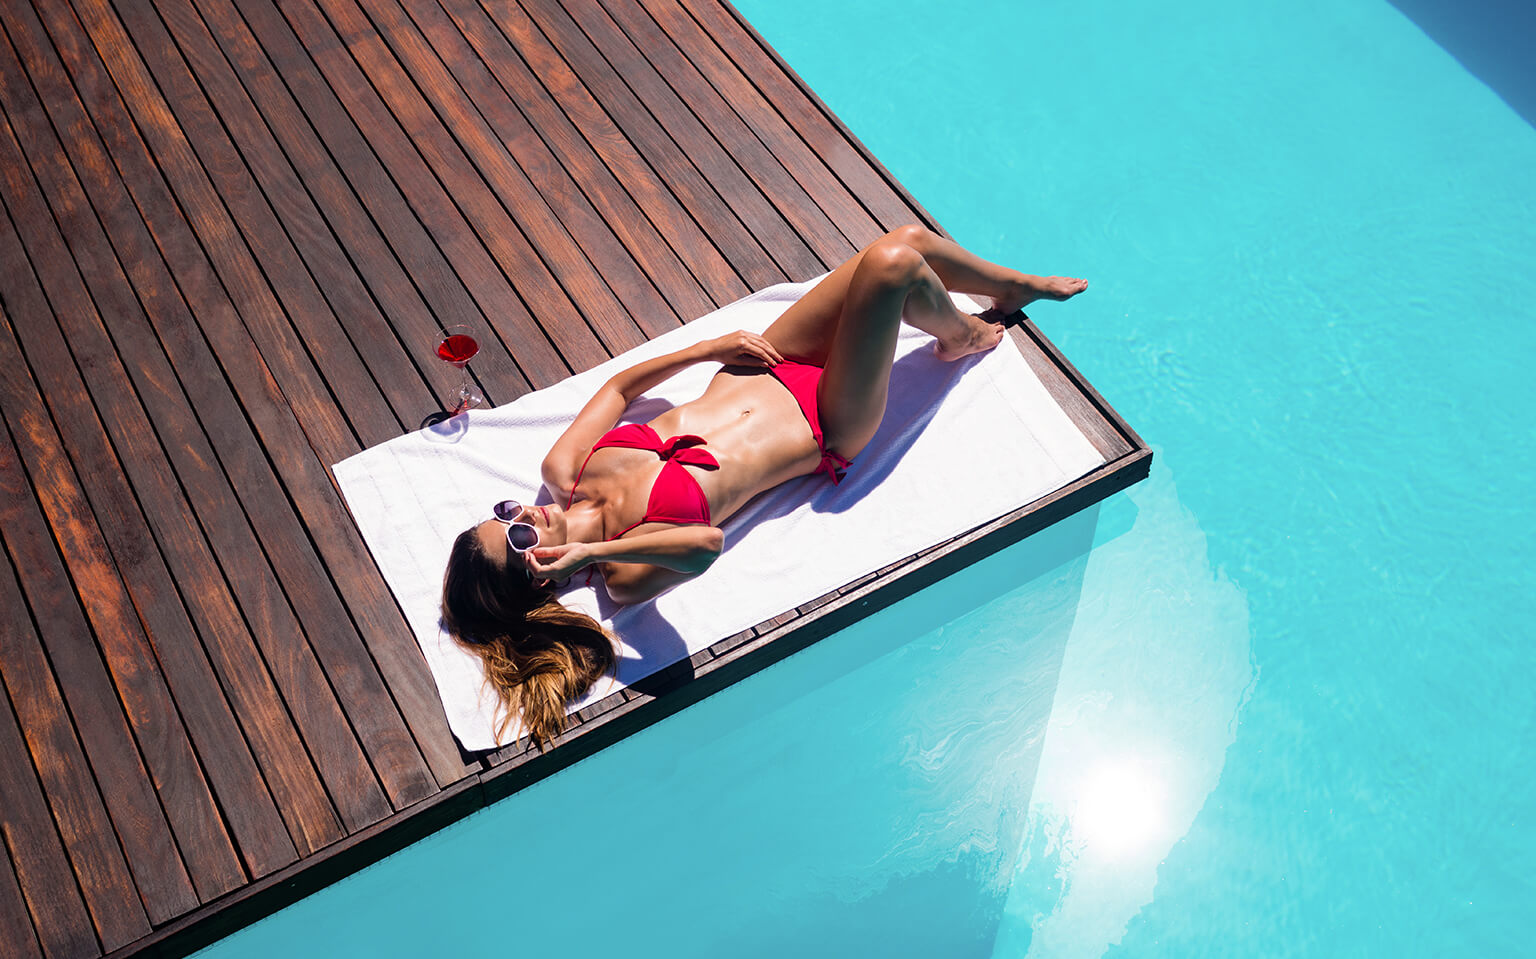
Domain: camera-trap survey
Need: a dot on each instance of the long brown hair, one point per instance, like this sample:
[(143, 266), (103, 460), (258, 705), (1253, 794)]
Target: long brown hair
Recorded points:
[(537, 654)]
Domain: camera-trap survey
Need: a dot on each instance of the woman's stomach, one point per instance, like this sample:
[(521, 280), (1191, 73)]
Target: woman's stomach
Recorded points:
[(755, 430)]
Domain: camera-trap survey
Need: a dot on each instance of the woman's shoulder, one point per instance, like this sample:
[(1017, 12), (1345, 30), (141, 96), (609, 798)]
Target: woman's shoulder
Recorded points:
[(559, 473)]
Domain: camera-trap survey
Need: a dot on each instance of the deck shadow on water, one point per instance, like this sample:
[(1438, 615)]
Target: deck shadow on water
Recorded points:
[(1042, 575), (1491, 38), (905, 748), (902, 753)]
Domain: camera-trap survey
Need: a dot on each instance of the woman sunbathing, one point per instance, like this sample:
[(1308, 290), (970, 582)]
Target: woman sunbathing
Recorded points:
[(642, 503)]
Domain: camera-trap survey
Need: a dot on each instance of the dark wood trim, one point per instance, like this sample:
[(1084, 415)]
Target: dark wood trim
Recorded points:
[(1101, 405), (41, 867), (16, 927)]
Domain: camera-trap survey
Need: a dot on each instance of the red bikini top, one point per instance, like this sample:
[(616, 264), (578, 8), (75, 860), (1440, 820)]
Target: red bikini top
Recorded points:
[(676, 496)]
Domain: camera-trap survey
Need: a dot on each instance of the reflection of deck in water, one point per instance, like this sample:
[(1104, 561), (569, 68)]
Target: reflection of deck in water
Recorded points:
[(231, 232)]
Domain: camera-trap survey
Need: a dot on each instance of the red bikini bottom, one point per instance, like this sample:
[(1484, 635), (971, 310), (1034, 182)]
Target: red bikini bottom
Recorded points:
[(801, 380)]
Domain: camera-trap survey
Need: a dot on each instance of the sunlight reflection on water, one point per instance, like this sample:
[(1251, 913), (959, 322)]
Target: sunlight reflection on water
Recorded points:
[(1151, 685)]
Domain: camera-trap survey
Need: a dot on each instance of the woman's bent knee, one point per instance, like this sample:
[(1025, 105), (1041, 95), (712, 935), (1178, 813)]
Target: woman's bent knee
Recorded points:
[(914, 235), (891, 262)]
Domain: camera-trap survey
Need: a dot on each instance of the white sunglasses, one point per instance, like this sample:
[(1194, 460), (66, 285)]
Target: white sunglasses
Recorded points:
[(521, 537)]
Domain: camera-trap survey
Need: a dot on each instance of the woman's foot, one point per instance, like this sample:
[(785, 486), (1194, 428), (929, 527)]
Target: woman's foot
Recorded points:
[(971, 335), (1029, 288)]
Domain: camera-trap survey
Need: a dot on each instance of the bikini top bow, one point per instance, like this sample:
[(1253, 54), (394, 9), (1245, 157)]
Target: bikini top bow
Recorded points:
[(688, 450)]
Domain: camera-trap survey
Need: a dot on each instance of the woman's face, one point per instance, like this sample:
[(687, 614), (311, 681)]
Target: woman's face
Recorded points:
[(549, 521)]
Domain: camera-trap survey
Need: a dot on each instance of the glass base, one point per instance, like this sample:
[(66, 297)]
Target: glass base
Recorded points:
[(467, 398)]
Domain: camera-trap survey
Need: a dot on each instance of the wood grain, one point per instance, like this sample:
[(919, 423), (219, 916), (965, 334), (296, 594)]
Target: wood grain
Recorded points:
[(53, 913), (28, 662)]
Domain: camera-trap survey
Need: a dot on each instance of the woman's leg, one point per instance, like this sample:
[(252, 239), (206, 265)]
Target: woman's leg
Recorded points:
[(962, 271), (848, 323), (805, 330)]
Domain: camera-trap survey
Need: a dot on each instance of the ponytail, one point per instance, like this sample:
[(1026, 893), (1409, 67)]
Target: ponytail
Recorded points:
[(538, 656), (562, 654)]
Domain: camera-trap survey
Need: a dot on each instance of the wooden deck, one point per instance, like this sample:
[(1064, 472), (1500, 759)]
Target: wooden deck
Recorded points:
[(230, 229)]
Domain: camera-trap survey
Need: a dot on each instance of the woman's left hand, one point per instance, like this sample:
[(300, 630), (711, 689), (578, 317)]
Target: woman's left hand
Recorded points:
[(742, 349), (555, 563)]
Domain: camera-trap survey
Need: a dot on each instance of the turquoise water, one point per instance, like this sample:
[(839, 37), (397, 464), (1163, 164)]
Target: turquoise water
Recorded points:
[(1275, 700)]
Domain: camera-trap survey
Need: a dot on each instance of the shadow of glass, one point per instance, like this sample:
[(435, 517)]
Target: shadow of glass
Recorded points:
[(442, 426)]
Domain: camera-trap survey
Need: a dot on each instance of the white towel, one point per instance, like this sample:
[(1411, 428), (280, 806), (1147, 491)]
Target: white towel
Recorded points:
[(962, 444)]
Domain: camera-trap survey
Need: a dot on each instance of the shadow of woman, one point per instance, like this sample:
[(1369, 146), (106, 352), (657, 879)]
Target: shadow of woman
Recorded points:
[(654, 655), (919, 383)]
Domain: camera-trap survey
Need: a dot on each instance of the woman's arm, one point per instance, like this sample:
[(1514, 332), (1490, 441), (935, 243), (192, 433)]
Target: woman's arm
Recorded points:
[(613, 397), (635, 568)]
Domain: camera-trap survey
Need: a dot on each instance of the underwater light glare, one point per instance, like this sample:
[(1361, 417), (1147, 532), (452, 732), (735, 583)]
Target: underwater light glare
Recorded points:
[(1121, 809)]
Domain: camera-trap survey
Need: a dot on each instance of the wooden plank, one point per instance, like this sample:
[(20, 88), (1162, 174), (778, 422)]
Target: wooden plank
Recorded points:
[(193, 196), (83, 820), (245, 800), (643, 272), (610, 64), (15, 924), (456, 213), (405, 674), (132, 537), (268, 895), (391, 250), (803, 110), (582, 338), (1081, 408), (332, 637), (612, 120), (563, 254), (731, 642), (734, 107), (338, 272), (821, 600), (330, 527), (368, 707), (134, 53), (281, 436), (627, 194), (741, 143), (1088, 404), (59, 922), (441, 253), (546, 197), (110, 600)]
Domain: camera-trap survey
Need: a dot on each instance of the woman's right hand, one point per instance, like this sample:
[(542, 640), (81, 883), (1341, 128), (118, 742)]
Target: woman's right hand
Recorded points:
[(742, 349), (554, 563)]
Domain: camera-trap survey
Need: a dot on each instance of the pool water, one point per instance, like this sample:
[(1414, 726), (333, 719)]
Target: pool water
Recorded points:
[(1274, 700)]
